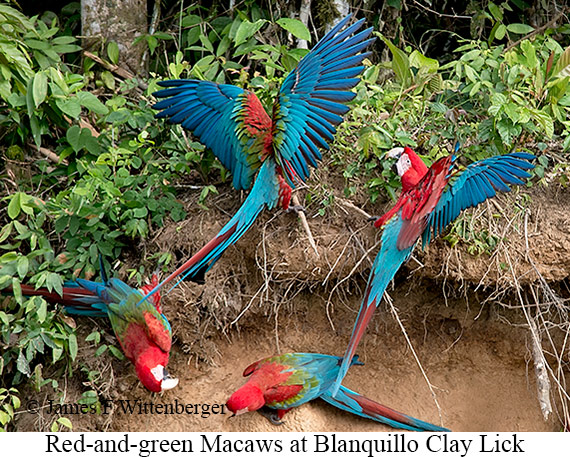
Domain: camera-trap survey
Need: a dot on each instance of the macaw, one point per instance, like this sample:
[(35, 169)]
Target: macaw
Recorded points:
[(277, 384), (142, 330), (232, 122), (429, 201)]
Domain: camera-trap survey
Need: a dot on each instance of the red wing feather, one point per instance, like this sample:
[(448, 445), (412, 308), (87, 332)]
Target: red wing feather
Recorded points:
[(281, 393), (420, 201)]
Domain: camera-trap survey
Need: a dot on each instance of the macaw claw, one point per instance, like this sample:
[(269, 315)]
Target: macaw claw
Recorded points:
[(271, 415), (295, 209)]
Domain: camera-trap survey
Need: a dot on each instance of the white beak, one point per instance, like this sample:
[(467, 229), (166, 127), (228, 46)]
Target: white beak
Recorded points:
[(395, 153), (169, 383)]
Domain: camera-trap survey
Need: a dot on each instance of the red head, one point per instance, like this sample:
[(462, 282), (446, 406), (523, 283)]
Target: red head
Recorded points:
[(248, 397), (150, 366), (411, 168)]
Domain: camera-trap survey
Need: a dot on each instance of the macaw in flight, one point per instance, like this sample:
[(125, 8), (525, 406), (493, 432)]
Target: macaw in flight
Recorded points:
[(429, 201), (280, 383), (142, 330), (270, 152)]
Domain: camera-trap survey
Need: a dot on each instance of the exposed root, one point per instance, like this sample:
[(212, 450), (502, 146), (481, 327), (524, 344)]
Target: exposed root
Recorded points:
[(305, 224)]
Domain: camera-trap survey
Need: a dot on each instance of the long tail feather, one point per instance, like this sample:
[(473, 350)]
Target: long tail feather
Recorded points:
[(75, 299), (386, 264), (265, 193), (355, 403)]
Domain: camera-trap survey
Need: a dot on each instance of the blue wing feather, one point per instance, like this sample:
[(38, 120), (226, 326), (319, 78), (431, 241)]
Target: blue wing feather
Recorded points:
[(210, 111), (311, 99), (479, 181)]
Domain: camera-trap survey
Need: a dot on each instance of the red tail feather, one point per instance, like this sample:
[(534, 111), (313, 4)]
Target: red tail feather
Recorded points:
[(69, 296)]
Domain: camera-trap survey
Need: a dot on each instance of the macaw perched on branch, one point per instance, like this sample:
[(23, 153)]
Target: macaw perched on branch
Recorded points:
[(277, 384), (143, 331), (279, 148), (430, 200)]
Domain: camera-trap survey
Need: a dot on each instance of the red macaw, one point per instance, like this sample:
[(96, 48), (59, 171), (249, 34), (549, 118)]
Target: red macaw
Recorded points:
[(430, 200), (142, 330), (277, 384), (232, 122)]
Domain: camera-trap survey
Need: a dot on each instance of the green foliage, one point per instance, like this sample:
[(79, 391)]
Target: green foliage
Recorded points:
[(109, 188), (34, 82), (519, 90), (220, 48), (477, 241), (9, 402)]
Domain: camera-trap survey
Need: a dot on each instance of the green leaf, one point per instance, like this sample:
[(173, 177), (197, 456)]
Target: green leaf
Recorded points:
[(23, 265), (530, 53), (116, 352), (65, 422), (500, 32), (72, 341), (39, 91), (4, 318), (496, 12), (470, 73), (520, 29), (42, 312), (14, 206), (108, 79), (4, 418), (92, 103), (418, 60), (69, 106), (23, 365), (36, 131), (94, 336), (140, 212), (562, 67), (400, 63), (73, 134), (113, 52), (54, 282), (247, 29), (296, 28)]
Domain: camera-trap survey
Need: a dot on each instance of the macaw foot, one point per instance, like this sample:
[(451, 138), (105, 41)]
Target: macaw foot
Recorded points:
[(272, 415), (373, 218), (295, 209)]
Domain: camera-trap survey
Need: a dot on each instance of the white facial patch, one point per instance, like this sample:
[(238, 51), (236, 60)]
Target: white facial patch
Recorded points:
[(158, 372), (241, 411), (403, 164)]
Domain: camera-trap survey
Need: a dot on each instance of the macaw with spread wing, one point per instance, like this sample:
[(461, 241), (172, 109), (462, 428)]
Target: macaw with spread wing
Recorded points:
[(277, 384), (143, 331), (275, 151), (430, 200)]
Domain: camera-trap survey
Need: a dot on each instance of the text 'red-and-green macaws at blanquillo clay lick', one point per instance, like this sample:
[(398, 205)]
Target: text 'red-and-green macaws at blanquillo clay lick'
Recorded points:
[(280, 148), (430, 199), (277, 384), (142, 330)]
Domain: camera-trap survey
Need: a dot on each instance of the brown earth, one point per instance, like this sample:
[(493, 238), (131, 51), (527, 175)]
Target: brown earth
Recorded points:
[(271, 294)]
